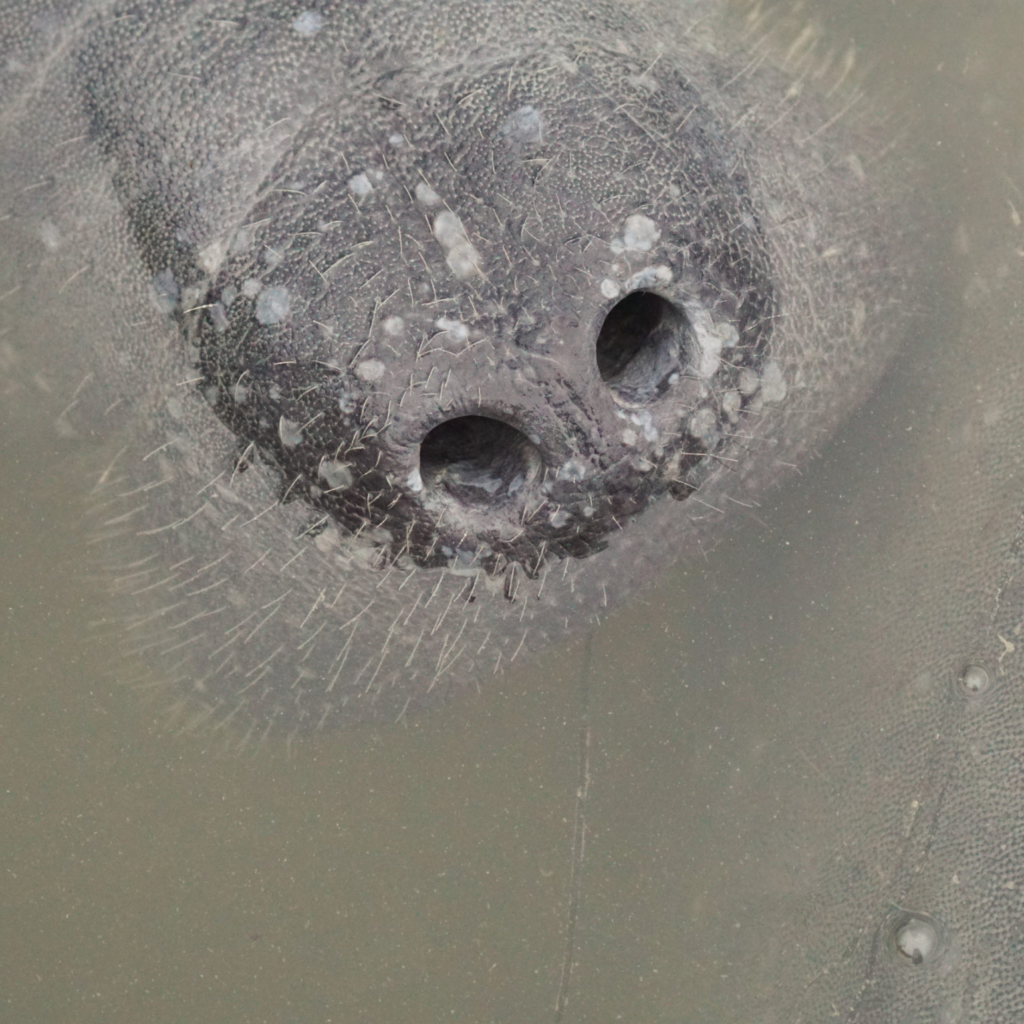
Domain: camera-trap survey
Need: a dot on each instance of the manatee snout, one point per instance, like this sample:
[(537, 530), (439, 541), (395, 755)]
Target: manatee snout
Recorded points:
[(482, 318), (427, 333)]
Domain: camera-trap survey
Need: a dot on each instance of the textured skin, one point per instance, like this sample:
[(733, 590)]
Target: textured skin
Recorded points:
[(392, 217), (886, 791)]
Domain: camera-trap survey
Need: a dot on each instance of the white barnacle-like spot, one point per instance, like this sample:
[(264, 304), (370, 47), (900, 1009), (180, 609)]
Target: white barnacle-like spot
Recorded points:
[(748, 381), (646, 82), (524, 125), (290, 432), (639, 233), (773, 383), (50, 235), (462, 258), (370, 370), (219, 317), (393, 326), (328, 540), (360, 185), (164, 292), (251, 287), (559, 518), (573, 470), (610, 289), (211, 256), (731, 403), (456, 328), (711, 338), (239, 393), (649, 277), (273, 304), (414, 481), (243, 238), (337, 474), (426, 195), (308, 23), (644, 421), (702, 423)]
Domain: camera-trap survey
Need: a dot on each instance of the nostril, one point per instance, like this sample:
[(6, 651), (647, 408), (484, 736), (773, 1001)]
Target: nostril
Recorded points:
[(478, 460), (639, 345)]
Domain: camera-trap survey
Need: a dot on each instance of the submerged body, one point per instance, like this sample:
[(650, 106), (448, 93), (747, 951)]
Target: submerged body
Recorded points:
[(428, 341), (836, 831)]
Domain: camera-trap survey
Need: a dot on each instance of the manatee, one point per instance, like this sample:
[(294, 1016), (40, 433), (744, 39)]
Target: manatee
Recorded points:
[(816, 813), (424, 341)]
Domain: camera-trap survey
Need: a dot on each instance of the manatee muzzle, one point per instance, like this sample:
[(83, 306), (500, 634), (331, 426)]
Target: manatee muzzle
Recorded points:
[(486, 315)]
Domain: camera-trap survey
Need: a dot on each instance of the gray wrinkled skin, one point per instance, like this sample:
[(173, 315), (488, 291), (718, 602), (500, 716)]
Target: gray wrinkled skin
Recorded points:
[(422, 337), (877, 876)]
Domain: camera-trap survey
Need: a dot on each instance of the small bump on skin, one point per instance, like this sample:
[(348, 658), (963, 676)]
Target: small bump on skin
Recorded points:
[(337, 475), (773, 382), (974, 682), (426, 195), (359, 185), (462, 256), (916, 939), (525, 125), (50, 235), (370, 370), (273, 305), (290, 433), (308, 23)]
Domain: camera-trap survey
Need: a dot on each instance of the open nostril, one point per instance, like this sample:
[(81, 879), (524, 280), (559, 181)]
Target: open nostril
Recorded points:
[(640, 345), (478, 460)]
